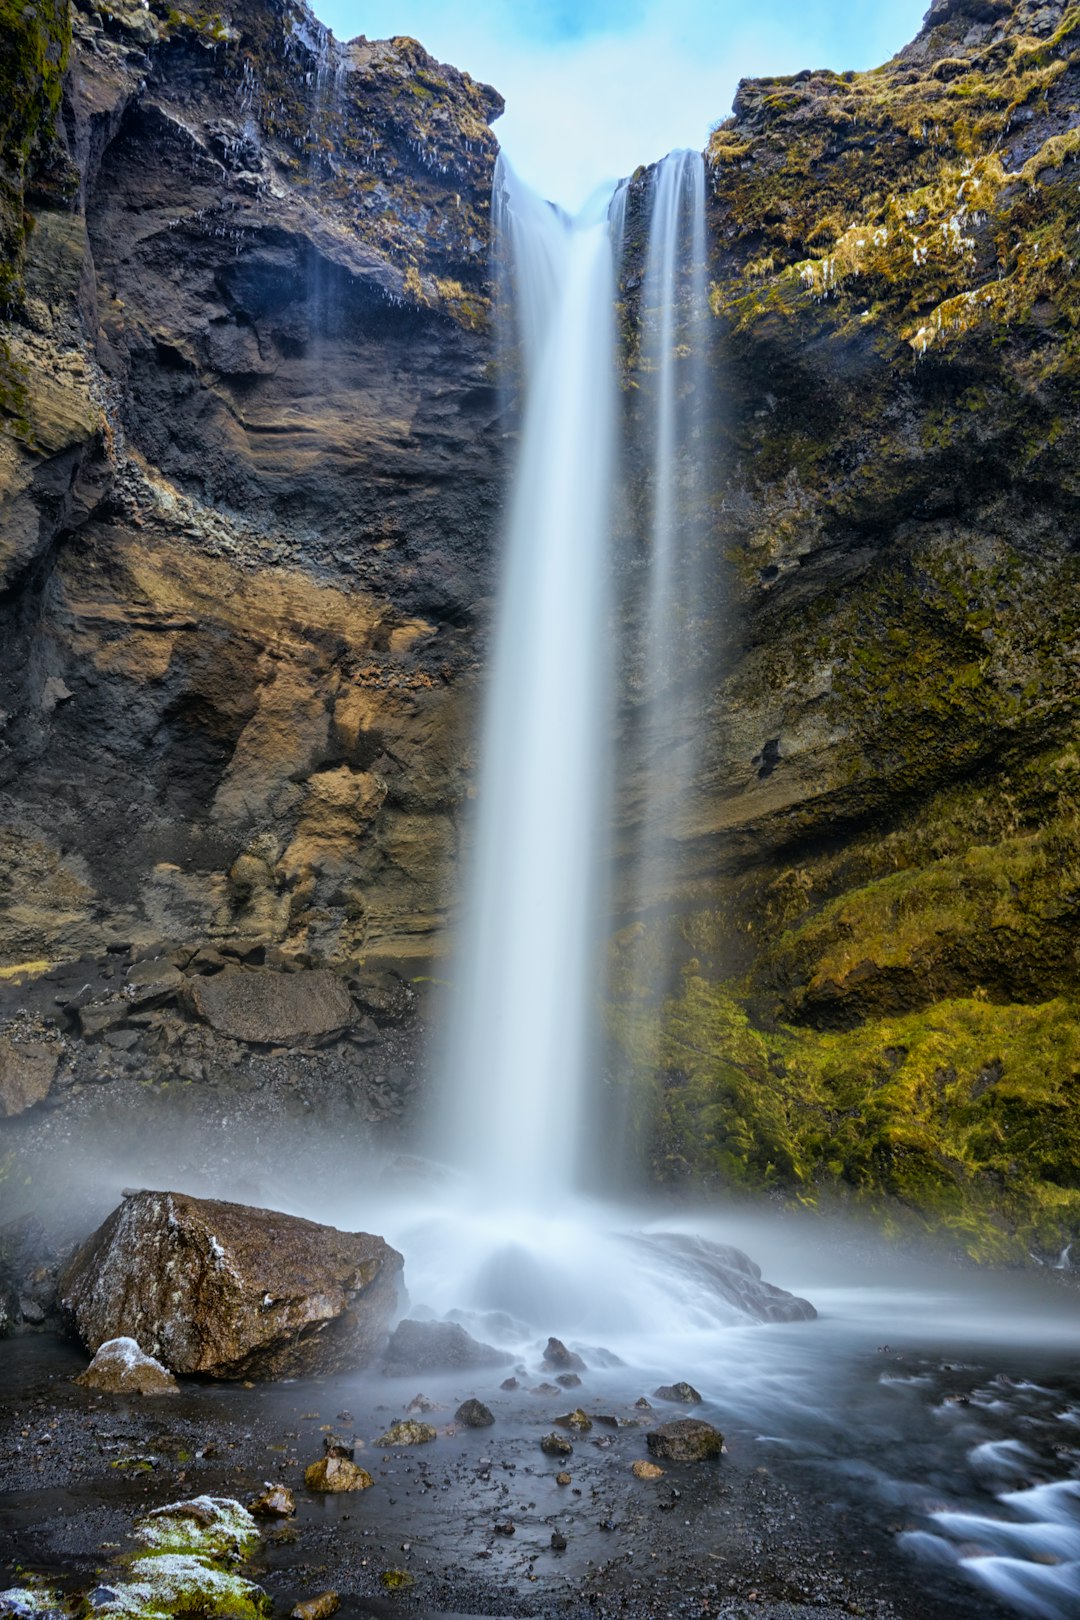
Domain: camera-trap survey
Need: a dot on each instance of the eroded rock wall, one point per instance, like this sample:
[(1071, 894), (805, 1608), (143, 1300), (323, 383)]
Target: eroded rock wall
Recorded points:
[(877, 903)]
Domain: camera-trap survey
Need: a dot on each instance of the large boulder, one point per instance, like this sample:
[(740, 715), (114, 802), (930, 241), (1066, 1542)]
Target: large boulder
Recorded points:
[(231, 1292), (739, 1292), (27, 1069), (273, 1009)]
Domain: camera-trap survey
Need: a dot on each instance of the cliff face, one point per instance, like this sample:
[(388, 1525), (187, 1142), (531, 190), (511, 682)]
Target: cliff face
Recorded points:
[(247, 482), (884, 974)]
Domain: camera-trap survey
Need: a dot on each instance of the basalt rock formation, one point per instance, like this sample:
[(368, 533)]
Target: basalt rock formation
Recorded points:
[(247, 488)]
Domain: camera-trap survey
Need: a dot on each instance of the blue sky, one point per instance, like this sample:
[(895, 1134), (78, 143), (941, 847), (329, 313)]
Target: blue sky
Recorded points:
[(595, 87)]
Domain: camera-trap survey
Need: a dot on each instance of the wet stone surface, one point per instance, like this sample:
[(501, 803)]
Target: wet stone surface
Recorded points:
[(763, 1530)]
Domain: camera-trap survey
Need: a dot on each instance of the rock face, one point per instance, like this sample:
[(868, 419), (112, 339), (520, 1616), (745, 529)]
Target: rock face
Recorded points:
[(247, 466), (231, 1292), (27, 1070), (273, 1008), (121, 1368), (873, 896)]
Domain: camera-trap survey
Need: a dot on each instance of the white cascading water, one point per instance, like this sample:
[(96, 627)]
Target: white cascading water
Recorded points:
[(674, 308), (526, 970)]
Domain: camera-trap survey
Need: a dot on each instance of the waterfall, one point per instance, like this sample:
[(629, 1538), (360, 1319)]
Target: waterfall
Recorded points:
[(526, 975), (674, 309)]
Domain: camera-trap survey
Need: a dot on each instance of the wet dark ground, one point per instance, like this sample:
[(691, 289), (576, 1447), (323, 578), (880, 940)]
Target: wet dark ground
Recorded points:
[(805, 1520)]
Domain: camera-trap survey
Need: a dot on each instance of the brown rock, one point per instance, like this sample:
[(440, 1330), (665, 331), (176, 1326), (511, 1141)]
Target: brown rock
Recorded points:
[(27, 1069), (556, 1445), (577, 1419), (563, 1479), (272, 1009), (121, 1368), (275, 1502), (317, 1608), (335, 1474), (229, 1291), (686, 1440), (646, 1470), (407, 1432)]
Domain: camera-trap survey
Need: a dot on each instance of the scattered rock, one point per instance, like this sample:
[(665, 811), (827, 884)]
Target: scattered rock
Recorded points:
[(646, 1470), (474, 1415), (545, 1389), (275, 1502), (557, 1355), (558, 1541), (556, 1445), (505, 1527), (27, 1071), (420, 1403), (643, 1405), (568, 1381), (333, 1474), (577, 1419), (316, 1608), (685, 1440), (509, 1383), (230, 1291), (685, 1394), (419, 1347), (407, 1433), (265, 1008), (563, 1479), (121, 1368)]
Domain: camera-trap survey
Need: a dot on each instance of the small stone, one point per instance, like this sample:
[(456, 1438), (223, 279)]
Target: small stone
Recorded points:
[(407, 1433), (334, 1474), (557, 1355), (563, 1478), (474, 1415), (686, 1440), (317, 1608), (505, 1527), (556, 1445), (646, 1470), (683, 1393), (121, 1368), (545, 1389), (509, 1383), (569, 1381), (420, 1403), (643, 1405), (275, 1502), (577, 1419), (558, 1541)]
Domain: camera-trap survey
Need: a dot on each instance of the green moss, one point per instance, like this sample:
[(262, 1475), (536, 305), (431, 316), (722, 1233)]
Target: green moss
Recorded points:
[(961, 1121), (34, 44)]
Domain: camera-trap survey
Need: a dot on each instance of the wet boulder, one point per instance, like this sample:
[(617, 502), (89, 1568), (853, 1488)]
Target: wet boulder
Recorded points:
[(121, 1368), (473, 1414), (229, 1291), (682, 1393), (686, 1440), (739, 1291), (419, 1347)]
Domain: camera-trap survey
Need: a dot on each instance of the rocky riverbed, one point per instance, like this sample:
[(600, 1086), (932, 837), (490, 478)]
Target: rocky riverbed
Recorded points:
[(809, 1514)]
